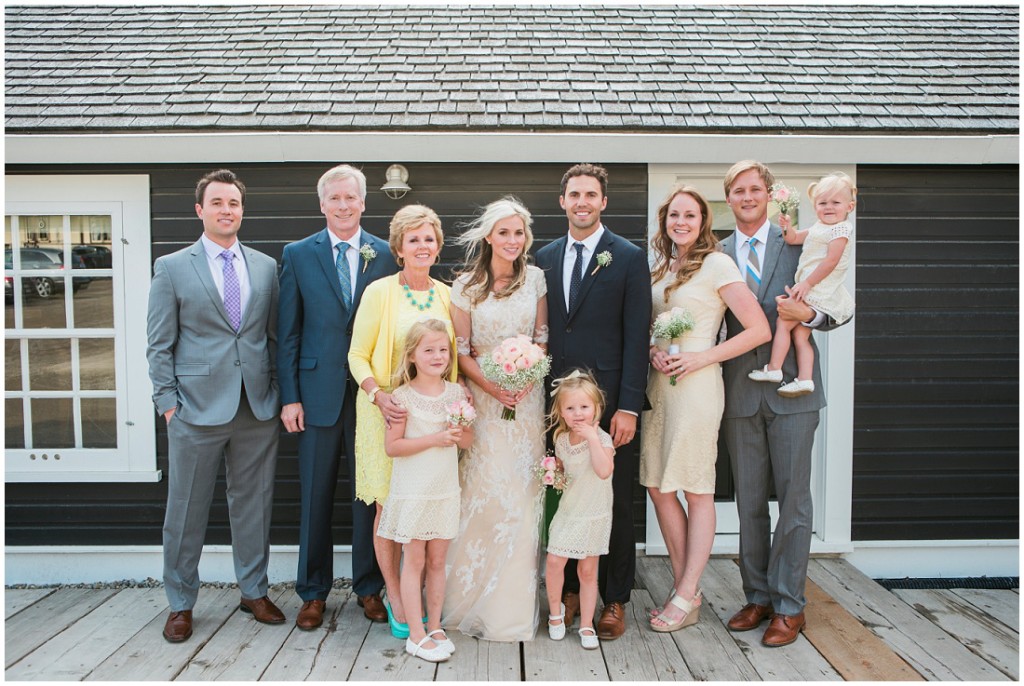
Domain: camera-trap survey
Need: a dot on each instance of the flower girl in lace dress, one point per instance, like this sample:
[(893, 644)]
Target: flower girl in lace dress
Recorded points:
[(422, 509), (581, 527)]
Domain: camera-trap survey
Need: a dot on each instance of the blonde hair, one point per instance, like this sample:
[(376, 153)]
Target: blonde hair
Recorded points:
[(576, 380), (477, 265), (746, 165), (340, 173), (832, 183), (408, 218), (663, 246), (406, 371)]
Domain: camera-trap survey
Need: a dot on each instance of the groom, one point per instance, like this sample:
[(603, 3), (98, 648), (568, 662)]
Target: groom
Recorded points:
[(769, 437), (599, 312)]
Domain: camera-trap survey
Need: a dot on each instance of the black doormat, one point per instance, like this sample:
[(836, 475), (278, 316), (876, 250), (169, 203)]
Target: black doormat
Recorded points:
[(988, 582)]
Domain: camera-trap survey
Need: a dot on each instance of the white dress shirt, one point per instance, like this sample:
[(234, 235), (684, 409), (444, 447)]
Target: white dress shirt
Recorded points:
[(569, 260), (213, 252), (352, 255)]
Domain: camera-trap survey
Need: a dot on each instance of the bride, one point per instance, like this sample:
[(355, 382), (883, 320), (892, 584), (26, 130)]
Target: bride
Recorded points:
[(493, 563)]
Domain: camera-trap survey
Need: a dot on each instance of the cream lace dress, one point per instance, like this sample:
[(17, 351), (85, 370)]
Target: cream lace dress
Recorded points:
[(583, 523), (679, 441), (830, 295), (423, 503), (493, 563)]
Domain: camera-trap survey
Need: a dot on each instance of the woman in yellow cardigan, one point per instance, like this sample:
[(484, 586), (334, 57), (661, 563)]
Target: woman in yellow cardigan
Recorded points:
[(389, 307)]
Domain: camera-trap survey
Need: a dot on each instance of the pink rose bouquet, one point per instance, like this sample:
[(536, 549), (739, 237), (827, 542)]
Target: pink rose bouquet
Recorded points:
[(786, 197), (550, 473), (514, 365), (461, 413)]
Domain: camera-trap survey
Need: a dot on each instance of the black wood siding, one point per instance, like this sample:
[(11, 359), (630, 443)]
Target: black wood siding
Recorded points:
[(936, 443), (281, 207)]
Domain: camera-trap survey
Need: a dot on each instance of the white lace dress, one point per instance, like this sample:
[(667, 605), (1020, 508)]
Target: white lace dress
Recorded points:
[(423, 503), (830, 295), (583, 523), (493, 563)]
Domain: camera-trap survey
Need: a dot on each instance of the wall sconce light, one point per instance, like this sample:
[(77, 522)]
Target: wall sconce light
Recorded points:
[(396, 187)]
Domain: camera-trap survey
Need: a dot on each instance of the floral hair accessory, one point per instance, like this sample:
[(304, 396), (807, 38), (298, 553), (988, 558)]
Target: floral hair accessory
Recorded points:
[(368, 254), (603, 260)]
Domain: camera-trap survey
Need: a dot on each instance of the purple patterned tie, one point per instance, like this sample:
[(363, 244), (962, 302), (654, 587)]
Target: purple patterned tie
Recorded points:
[(232, 291)]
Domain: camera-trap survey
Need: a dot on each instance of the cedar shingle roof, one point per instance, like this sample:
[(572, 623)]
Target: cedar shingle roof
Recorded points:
[(749, 69)]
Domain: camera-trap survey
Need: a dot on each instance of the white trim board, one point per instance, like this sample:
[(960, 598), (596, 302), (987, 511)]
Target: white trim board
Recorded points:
[(942, 559), (399, 146)]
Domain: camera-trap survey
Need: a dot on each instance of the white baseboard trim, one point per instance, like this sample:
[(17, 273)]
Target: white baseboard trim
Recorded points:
[(936, 559)]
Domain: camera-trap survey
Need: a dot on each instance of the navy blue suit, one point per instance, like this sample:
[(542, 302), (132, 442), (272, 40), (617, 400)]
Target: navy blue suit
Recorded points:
[(314, 332)]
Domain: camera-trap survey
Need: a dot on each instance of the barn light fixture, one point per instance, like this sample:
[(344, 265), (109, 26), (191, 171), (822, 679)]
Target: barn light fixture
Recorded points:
[(396, 187)]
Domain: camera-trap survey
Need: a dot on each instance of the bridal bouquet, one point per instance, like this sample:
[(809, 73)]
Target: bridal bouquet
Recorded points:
[(786, 197), (550, 472), (514, 365), (669, 326), (461, 413)]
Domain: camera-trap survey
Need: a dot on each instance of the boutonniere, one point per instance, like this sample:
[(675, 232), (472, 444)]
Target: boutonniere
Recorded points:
[(603, 260), (368, 254)]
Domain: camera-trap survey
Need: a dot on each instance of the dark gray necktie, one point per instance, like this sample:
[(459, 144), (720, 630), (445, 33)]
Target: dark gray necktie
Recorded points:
[(577, 275)]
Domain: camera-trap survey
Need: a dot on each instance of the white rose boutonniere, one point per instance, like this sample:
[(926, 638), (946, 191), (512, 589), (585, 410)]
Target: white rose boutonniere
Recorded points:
[(603, 260), (368, 254)]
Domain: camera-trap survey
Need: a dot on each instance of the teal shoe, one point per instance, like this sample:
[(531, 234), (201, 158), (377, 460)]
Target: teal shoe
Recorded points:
[(398, 629)]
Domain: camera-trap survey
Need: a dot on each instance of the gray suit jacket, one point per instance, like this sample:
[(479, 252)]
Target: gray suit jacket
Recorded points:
[(743, 397), (197, 362)]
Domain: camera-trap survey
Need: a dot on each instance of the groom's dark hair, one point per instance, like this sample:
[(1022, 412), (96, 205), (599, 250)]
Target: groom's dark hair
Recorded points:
[(587, 169)]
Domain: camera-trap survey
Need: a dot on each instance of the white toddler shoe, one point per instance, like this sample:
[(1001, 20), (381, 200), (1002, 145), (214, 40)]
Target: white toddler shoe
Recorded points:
[(796, 388), (765, 374), (557, 631), (435, 654), (445, 642), (588, 638)]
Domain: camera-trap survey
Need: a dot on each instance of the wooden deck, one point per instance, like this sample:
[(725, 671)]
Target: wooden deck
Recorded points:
[(856, 631)]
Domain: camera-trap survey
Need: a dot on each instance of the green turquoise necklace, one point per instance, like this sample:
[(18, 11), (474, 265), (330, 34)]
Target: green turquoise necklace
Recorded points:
[(415, 303)]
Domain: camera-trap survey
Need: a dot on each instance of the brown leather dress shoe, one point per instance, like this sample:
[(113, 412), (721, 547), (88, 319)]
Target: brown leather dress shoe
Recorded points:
[(750, 617), (311, 616), (783, 630), (571, 600), (262, 610), (179, 626), (373, 608), (612, 623)]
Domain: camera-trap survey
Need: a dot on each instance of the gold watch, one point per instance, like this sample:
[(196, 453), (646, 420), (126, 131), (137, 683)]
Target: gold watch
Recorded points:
[(373, 394)]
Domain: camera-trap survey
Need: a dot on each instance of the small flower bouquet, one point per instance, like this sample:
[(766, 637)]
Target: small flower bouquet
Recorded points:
[(514, 365), (671, 325), (603, 260), (461, 413), (550, 472), (368, 254), (786, 197)]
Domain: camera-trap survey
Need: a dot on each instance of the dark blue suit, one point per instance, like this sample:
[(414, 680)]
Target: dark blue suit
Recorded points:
[(314, 331), (607, 332)]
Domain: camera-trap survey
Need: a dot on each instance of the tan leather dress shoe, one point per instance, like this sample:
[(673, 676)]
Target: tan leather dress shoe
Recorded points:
[(750, 617), (783, 630), (571, 600), (612, 623), (373, 608), (262, 610), (311, 616), (179, 626)]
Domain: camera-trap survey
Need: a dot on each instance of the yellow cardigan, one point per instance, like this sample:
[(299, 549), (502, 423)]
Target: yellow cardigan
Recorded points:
[(373, 334)]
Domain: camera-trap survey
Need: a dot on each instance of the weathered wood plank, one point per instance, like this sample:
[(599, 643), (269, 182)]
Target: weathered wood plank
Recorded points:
[(799, 661), (986, 637), (642, 654), (565, 660), (708, 647), (294, 661), (147, 656), (855, 652), (241, 649), (1003, 605), (43, 620), (345, 633), (17, 599), (383, 658), (927, 648), (476, 660), (75, 652)]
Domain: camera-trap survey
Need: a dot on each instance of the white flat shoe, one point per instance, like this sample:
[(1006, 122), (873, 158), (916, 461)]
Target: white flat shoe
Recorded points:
[(765, 374), (557, 631), (435, 654), (445, 642), (796, 388), (589, 640)]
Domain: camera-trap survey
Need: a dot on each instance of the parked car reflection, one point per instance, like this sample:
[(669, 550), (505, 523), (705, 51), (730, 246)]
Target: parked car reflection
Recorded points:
[(94, 256), (42, 286)]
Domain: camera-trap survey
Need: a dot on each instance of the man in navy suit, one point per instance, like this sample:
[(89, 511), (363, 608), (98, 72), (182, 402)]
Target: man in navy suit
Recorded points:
[(322, 279), (599, 313)]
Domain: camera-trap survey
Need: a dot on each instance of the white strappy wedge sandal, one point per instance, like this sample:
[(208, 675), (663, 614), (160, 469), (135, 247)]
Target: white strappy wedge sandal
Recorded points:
[(690, 607), (557, 631)]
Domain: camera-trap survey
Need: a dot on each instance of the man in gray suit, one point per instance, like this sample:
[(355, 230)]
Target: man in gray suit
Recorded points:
[(768, 435), (212, 337)]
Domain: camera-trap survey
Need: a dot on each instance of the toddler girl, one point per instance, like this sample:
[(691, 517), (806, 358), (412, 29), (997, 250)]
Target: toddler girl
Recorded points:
[(819, 276), (422, 509), (581, 527)]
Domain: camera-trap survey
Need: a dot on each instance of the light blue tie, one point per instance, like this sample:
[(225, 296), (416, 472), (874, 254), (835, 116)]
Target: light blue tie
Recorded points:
[(753, 275), (344, 275)]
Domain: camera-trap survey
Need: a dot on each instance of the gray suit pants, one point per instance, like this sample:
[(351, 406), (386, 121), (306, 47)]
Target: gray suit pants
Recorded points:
[(248, 447), (767, 445)]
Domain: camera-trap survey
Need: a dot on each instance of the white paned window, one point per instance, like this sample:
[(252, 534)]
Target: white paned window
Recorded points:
[(76, 281)]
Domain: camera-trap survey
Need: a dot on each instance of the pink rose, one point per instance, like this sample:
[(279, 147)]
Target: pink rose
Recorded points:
[(782, 194), (468, 412), (522, 363), (508, 367), (497, 357), (549, 478), (548, 463)]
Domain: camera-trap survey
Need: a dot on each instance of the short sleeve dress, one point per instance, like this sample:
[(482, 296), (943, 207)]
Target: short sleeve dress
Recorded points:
[(830, 295), (423, 503), (583, 522)]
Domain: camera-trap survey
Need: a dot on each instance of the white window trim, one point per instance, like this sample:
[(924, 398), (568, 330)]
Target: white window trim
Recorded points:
[(126, 198), (832, 466)]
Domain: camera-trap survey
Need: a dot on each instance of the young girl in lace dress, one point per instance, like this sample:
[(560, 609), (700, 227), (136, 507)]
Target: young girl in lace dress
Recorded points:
[(422, 509), (581, 527), (819, 278)]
